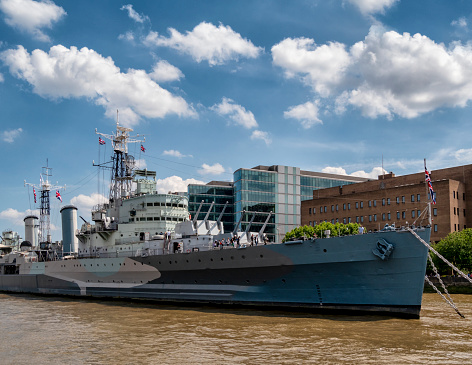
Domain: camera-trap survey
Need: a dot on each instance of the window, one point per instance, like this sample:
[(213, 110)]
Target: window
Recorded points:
[(309, 223), (388, 201), (398, 215), (435, 228), (435, 211), (398, 200), (362, 205), (337, 208), (463, 196), (454, 210), (370, 218), (455, 227), (403, 214), (464, 212), (332, 208), (383, 202), (383, 216), (375, 203), (375, 217), (344, 206), (309, 210), (332, 220), (321, 209), (412, 214), (326, 209), (418, 197), (453, 194), (389, 217), (344, 220), (403, 199), (314, 210), (349, 219), (362, 219), (348, 206), (357, 205), (419, 213), (370, 203), (412, 197), (357, 219)]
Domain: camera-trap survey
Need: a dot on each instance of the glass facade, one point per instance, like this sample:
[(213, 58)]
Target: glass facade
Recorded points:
[(220, 194), (258, 191)]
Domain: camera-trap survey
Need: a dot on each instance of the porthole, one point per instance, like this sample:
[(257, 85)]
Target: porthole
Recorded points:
[(243, 256), (221, 259), (221, 282), (211, 259), (283, 281), (199, 260), (232, 257), (324, 250), (262, 256)]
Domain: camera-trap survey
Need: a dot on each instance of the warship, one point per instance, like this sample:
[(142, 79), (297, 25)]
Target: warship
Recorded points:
[(142, 245)]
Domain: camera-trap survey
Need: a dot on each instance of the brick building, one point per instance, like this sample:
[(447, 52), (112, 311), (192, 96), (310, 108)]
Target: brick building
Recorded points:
[(397, 200)]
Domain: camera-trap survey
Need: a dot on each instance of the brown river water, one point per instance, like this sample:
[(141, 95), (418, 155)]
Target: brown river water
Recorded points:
[(52, 330)]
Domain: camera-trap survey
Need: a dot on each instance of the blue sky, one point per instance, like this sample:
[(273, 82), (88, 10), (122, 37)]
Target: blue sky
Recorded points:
[(327, 86)]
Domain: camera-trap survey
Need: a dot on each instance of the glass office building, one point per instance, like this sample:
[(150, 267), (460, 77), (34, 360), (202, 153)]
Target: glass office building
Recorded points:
[(260, 190), (219, 192)]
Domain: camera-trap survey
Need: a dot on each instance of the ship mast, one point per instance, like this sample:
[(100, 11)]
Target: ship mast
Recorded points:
[(44, 188), (123, 164)]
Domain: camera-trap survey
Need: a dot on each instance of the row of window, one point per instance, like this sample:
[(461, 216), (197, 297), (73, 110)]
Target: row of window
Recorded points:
[(371, 203), (157, 204), (455, 195), (456, 211), (149, 219), (373, 217)]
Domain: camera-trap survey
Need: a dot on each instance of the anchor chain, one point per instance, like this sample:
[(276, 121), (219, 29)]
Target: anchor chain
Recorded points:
[(448, 301)]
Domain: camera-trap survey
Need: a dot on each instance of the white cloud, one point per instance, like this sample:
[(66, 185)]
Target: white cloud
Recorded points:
[(163, 71), (464, 155), (128, 36), (2, 78), (320, 66), (460, 23), (140, 163), (175, 153), (139, 18), (174, 184), (11, 135), (215, 169), (261, 135), (367, 7), (386, 74), (85, 203), (206, 42), (15, 217), (306, 114), (31, 16), (236, 113), (74, 73), (374, 174)]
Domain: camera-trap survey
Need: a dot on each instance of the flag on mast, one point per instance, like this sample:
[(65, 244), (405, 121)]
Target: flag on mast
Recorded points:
[(34, 193), (58, 195), (101, 141), (143, 149), (430, 186)]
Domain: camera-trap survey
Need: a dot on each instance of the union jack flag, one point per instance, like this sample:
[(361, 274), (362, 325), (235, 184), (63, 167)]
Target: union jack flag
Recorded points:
[(143, 149), (58, 195), (432, 194), (34, 193), (100, 141)]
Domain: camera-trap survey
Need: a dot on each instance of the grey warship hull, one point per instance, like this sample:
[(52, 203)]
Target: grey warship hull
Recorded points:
[(348, 274)]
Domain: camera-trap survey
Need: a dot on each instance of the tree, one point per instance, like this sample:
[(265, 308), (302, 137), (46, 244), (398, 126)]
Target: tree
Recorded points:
[(456, 248), (338, 229)]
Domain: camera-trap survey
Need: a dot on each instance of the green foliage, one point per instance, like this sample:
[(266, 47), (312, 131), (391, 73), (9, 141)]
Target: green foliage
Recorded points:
[(457, 248), (338, 229)]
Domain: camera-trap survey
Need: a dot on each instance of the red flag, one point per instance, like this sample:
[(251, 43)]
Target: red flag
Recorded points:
[(58, 195), (34, 193), (143, 149), (100, 141)]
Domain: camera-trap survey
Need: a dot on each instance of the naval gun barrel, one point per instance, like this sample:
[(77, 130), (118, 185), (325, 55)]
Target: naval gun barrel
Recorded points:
[(265, 224), (239, 222), (250, 223), (198, 211)]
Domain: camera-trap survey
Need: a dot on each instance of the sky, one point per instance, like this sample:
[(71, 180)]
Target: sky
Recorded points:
[(344, 86)]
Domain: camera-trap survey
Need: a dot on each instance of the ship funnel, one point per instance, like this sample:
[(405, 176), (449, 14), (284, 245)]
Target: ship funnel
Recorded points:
[(31, 229), (70, 243)]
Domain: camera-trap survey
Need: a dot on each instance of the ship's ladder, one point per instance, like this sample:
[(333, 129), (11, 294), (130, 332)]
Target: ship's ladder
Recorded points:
[(436, 274)]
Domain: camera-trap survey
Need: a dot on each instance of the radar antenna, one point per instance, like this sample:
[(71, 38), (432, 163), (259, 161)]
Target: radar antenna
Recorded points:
[(44, 188), (123, 164)]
